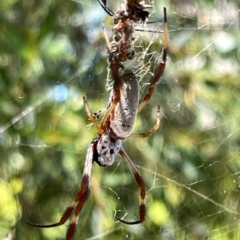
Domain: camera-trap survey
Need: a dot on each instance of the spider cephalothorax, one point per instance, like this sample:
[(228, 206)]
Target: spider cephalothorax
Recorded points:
[(106, 150)]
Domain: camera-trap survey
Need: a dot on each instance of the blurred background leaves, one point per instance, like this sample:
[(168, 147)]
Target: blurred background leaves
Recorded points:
[(52, 52)]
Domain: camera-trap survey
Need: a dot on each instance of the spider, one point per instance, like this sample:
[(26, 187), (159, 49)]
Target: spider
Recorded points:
[(116, 125), (124, 29)]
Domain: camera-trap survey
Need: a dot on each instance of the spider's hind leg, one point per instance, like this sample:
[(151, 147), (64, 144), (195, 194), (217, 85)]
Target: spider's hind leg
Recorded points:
[(152, 130), (160, 69), (140, 182)]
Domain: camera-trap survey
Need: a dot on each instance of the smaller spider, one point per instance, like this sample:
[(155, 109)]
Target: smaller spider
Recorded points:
[(117, 125)]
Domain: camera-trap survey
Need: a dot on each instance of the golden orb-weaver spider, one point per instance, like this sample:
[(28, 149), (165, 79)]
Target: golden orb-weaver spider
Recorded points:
[(117, 125)]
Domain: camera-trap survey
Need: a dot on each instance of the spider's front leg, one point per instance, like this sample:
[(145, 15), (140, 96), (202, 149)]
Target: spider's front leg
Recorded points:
[(114, 65)]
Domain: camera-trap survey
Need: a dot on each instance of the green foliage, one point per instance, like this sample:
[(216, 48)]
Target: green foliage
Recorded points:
[(52, 53)]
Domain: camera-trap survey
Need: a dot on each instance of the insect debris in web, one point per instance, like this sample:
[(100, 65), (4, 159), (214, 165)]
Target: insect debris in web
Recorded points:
[(124, 20)]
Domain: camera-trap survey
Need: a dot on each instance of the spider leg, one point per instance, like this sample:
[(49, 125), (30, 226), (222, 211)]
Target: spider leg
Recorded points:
[(91, 116), (161, 66), (106, 9), (114, 65), (142, 208), (114, 102), (79, 200), (152, 130), (106, 38)]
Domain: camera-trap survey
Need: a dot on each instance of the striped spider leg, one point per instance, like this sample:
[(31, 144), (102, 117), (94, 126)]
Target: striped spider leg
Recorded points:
[(160, 69)]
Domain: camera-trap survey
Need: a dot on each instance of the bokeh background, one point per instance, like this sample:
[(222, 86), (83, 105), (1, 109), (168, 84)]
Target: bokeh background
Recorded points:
[(52, 53)]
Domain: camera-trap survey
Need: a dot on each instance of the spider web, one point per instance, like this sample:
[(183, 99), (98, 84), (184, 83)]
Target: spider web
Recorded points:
[(190, 165)]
